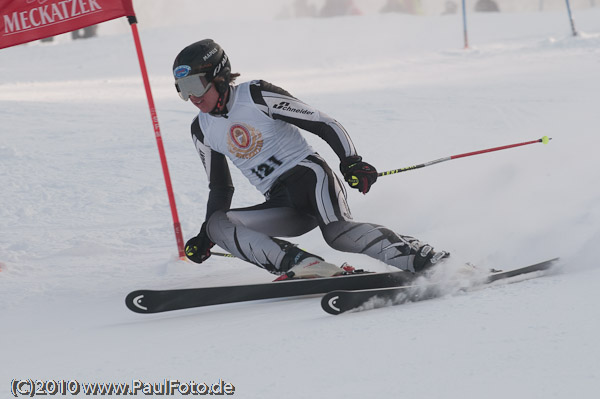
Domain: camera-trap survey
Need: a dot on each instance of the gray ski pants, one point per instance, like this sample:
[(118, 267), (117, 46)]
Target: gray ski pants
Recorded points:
[(307, 196)]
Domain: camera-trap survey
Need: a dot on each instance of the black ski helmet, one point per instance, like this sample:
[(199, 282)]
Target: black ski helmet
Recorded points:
[(207, 57)]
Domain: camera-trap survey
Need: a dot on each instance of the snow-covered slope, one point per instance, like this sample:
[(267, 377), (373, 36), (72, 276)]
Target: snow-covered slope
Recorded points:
[(84, 217)]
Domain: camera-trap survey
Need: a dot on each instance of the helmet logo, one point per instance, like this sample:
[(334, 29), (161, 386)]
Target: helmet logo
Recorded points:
[(220, 65), (211, 52), (182, 71)]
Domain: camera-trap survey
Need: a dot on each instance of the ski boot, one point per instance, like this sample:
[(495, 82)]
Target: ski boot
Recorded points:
[(300, 264), (425, 258)]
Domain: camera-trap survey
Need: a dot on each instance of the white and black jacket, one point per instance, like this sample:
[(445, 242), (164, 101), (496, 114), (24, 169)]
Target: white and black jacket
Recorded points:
[(260, 134)]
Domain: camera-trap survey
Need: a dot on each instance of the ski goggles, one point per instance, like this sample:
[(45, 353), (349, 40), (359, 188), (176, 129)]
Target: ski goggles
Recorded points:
[(192, 85)]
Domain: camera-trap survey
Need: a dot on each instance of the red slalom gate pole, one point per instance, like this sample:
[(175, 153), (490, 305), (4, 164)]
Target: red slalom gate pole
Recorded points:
[(161, 149), (544, 140)]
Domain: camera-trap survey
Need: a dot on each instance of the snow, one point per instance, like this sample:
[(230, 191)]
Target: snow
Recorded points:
[(84, 216)]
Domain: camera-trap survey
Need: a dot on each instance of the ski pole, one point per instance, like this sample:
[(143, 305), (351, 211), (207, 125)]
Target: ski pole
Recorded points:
[(544, 140), (223, 254)]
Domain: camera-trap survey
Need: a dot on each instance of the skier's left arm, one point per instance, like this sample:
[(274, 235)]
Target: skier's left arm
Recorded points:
[(281, 105)]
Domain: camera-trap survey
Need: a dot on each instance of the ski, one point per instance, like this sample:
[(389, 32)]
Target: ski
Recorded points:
[(154, 301), (340, 301)]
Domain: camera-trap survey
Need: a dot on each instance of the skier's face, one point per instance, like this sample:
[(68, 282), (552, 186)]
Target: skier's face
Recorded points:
[(207, 101)]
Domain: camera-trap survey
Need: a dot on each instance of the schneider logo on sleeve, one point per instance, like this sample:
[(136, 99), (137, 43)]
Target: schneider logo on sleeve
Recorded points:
[(285, 106)]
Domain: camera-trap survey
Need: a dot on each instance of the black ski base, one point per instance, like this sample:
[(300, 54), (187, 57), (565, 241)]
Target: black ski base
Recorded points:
[(152, 301), (340, 301)]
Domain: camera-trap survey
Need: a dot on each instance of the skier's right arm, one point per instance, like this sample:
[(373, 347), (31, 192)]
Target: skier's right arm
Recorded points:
[(197, 249), (216, 167)]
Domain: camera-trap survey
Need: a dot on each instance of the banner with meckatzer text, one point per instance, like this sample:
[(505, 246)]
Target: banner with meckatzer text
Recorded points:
[(23, 21)]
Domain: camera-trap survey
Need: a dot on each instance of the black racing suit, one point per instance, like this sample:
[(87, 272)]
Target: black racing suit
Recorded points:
[(260, 135)]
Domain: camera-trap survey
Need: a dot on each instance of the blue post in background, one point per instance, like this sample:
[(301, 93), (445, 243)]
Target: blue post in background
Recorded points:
[(464, 10), (571, 18)]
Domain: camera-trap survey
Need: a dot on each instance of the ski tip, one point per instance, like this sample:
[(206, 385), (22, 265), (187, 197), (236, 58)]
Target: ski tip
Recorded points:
[(330, 304), (136, 302), (547, 264)]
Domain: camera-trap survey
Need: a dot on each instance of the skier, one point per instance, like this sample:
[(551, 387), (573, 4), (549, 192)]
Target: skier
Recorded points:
[(257, 126), (486, 6)]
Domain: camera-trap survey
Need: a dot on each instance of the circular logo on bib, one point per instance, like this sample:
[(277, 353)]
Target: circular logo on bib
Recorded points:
[(244, 141)]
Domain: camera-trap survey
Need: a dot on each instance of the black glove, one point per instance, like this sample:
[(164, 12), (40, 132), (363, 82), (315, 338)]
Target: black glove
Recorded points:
[(197, 249), (358, 174)]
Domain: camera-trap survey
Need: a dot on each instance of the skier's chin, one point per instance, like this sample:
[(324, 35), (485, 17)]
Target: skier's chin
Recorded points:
[(203, 106)]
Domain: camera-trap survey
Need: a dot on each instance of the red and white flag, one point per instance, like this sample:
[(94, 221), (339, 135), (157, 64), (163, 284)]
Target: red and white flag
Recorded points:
[(23, 21)]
